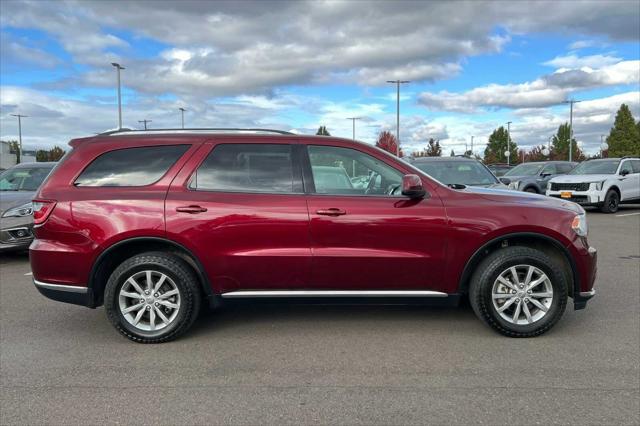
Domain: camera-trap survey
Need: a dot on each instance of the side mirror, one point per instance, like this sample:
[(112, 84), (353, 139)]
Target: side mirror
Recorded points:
[(412, 186), (505, 180), (545, 175), (624, 172)]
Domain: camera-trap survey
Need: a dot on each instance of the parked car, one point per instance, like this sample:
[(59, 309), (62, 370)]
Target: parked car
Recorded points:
[(455, 171), (533, 177), (499, 169), (18, 185), (605, 183), (151, 223)]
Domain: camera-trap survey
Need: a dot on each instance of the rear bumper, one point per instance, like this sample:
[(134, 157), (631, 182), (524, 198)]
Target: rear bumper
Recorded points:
[(66, 293)]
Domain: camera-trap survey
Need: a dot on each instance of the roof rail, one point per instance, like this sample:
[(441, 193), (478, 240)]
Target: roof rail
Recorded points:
[(195, 129)]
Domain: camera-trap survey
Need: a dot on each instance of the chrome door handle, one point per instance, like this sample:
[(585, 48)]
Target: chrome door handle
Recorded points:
[(331, 212), (191, 209)]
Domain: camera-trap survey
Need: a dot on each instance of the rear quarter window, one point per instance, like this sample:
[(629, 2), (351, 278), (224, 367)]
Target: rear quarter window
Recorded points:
[(131, 166)]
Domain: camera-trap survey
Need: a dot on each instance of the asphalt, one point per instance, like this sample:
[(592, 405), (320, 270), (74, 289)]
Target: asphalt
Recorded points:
[(62, 364)]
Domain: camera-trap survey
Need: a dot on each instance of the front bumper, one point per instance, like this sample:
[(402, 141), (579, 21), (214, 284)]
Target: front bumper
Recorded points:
[(591, 197), (588, 273), (66, 293), (15, 237)]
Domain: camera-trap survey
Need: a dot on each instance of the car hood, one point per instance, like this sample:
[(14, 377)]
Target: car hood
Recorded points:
[(491, 185), (9, 199), (518, 197), (580, 178)]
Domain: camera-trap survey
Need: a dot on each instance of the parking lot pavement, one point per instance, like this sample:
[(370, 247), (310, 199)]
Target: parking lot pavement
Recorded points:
[(62, 364)]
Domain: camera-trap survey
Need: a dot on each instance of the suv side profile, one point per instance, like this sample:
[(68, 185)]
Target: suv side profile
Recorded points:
[(155, 224), (604, 183), (534, 177)]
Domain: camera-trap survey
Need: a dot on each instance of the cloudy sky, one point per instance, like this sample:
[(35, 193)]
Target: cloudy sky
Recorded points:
[(473, 66)]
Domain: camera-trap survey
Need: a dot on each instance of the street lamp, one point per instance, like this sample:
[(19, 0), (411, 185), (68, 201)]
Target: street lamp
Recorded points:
[(507, 153), (118, 68), (353, 119), (570, 102), (20, 116), (182, 110), (398, 83)]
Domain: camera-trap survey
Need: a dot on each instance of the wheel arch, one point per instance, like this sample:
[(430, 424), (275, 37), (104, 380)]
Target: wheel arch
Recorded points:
[(614, 187), (534, 186), (115, 254), (546, 244)]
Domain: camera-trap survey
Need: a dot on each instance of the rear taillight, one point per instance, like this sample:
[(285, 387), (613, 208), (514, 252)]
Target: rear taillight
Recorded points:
[(41, 210)]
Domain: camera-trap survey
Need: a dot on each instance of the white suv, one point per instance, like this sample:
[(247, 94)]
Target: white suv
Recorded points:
[(604, 183)]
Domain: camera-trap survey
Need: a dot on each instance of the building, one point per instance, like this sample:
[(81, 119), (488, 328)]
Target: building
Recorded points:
[(8, 157)]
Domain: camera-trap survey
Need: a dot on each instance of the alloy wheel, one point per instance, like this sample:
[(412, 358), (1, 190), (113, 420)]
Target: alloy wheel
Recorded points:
[(149, 300), (522, 294)]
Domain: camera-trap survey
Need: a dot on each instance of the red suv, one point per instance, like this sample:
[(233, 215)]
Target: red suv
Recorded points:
[(154, 224)]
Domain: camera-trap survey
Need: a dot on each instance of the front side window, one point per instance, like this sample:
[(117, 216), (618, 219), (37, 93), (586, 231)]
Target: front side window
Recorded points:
[(247, 168), (564, 167), (626, 167), (635, 165), (345, 171), (131, 166), (550, 169)]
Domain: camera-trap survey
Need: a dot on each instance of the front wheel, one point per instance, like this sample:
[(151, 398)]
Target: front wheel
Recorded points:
[(152, 297), (519, 291), (611, 202)]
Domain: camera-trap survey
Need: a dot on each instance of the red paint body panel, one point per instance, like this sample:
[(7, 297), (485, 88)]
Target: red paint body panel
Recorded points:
[(276, 241)]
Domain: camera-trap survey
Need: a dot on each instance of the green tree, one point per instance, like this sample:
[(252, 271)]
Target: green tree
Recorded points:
[(498, 144), (624, 137), (14, 148), (322, 131), (56, 153), (560, 145), (453, 153), (42, 155), (433, 149)]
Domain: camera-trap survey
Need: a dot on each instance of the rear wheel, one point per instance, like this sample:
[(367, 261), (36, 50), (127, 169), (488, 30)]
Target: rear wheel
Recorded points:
[(611, 202), (519, 291), (152, 297)]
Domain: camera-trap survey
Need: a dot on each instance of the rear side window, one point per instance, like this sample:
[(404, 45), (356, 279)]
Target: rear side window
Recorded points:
[(131, 166), (247, 168)]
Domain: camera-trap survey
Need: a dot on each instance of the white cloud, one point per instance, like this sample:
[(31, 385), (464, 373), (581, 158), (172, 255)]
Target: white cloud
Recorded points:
[(575, 61), (545, 91)]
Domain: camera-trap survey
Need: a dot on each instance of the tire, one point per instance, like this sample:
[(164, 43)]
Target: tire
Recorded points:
[(611, 202), (176, 300), (485, 283), (532, 190)]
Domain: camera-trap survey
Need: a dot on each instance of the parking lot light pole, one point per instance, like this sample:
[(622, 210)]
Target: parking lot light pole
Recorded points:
[(118, 68), (353, 120), (571, 102), (145, 121), (182, 110), (398, 83), (509, 142), (20, 117)]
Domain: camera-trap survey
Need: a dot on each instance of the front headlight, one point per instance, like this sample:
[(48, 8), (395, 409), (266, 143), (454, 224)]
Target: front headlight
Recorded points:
[(514, 185), (579, 224), (598, 185), (20, 211)]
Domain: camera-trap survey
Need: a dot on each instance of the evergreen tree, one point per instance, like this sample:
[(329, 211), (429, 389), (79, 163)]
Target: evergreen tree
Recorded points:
[(56, 153), (322, 131), (498, 144), (453, 154), (433, 149), (42, 155), (624, 138), (560, 145)]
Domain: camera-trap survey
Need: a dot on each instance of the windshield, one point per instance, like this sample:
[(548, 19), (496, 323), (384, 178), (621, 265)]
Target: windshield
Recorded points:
[(457, 172), (23, 178), (531, 169), (596, 167)]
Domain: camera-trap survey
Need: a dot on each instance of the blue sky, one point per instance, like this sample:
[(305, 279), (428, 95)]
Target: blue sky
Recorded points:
[(473, 66)]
